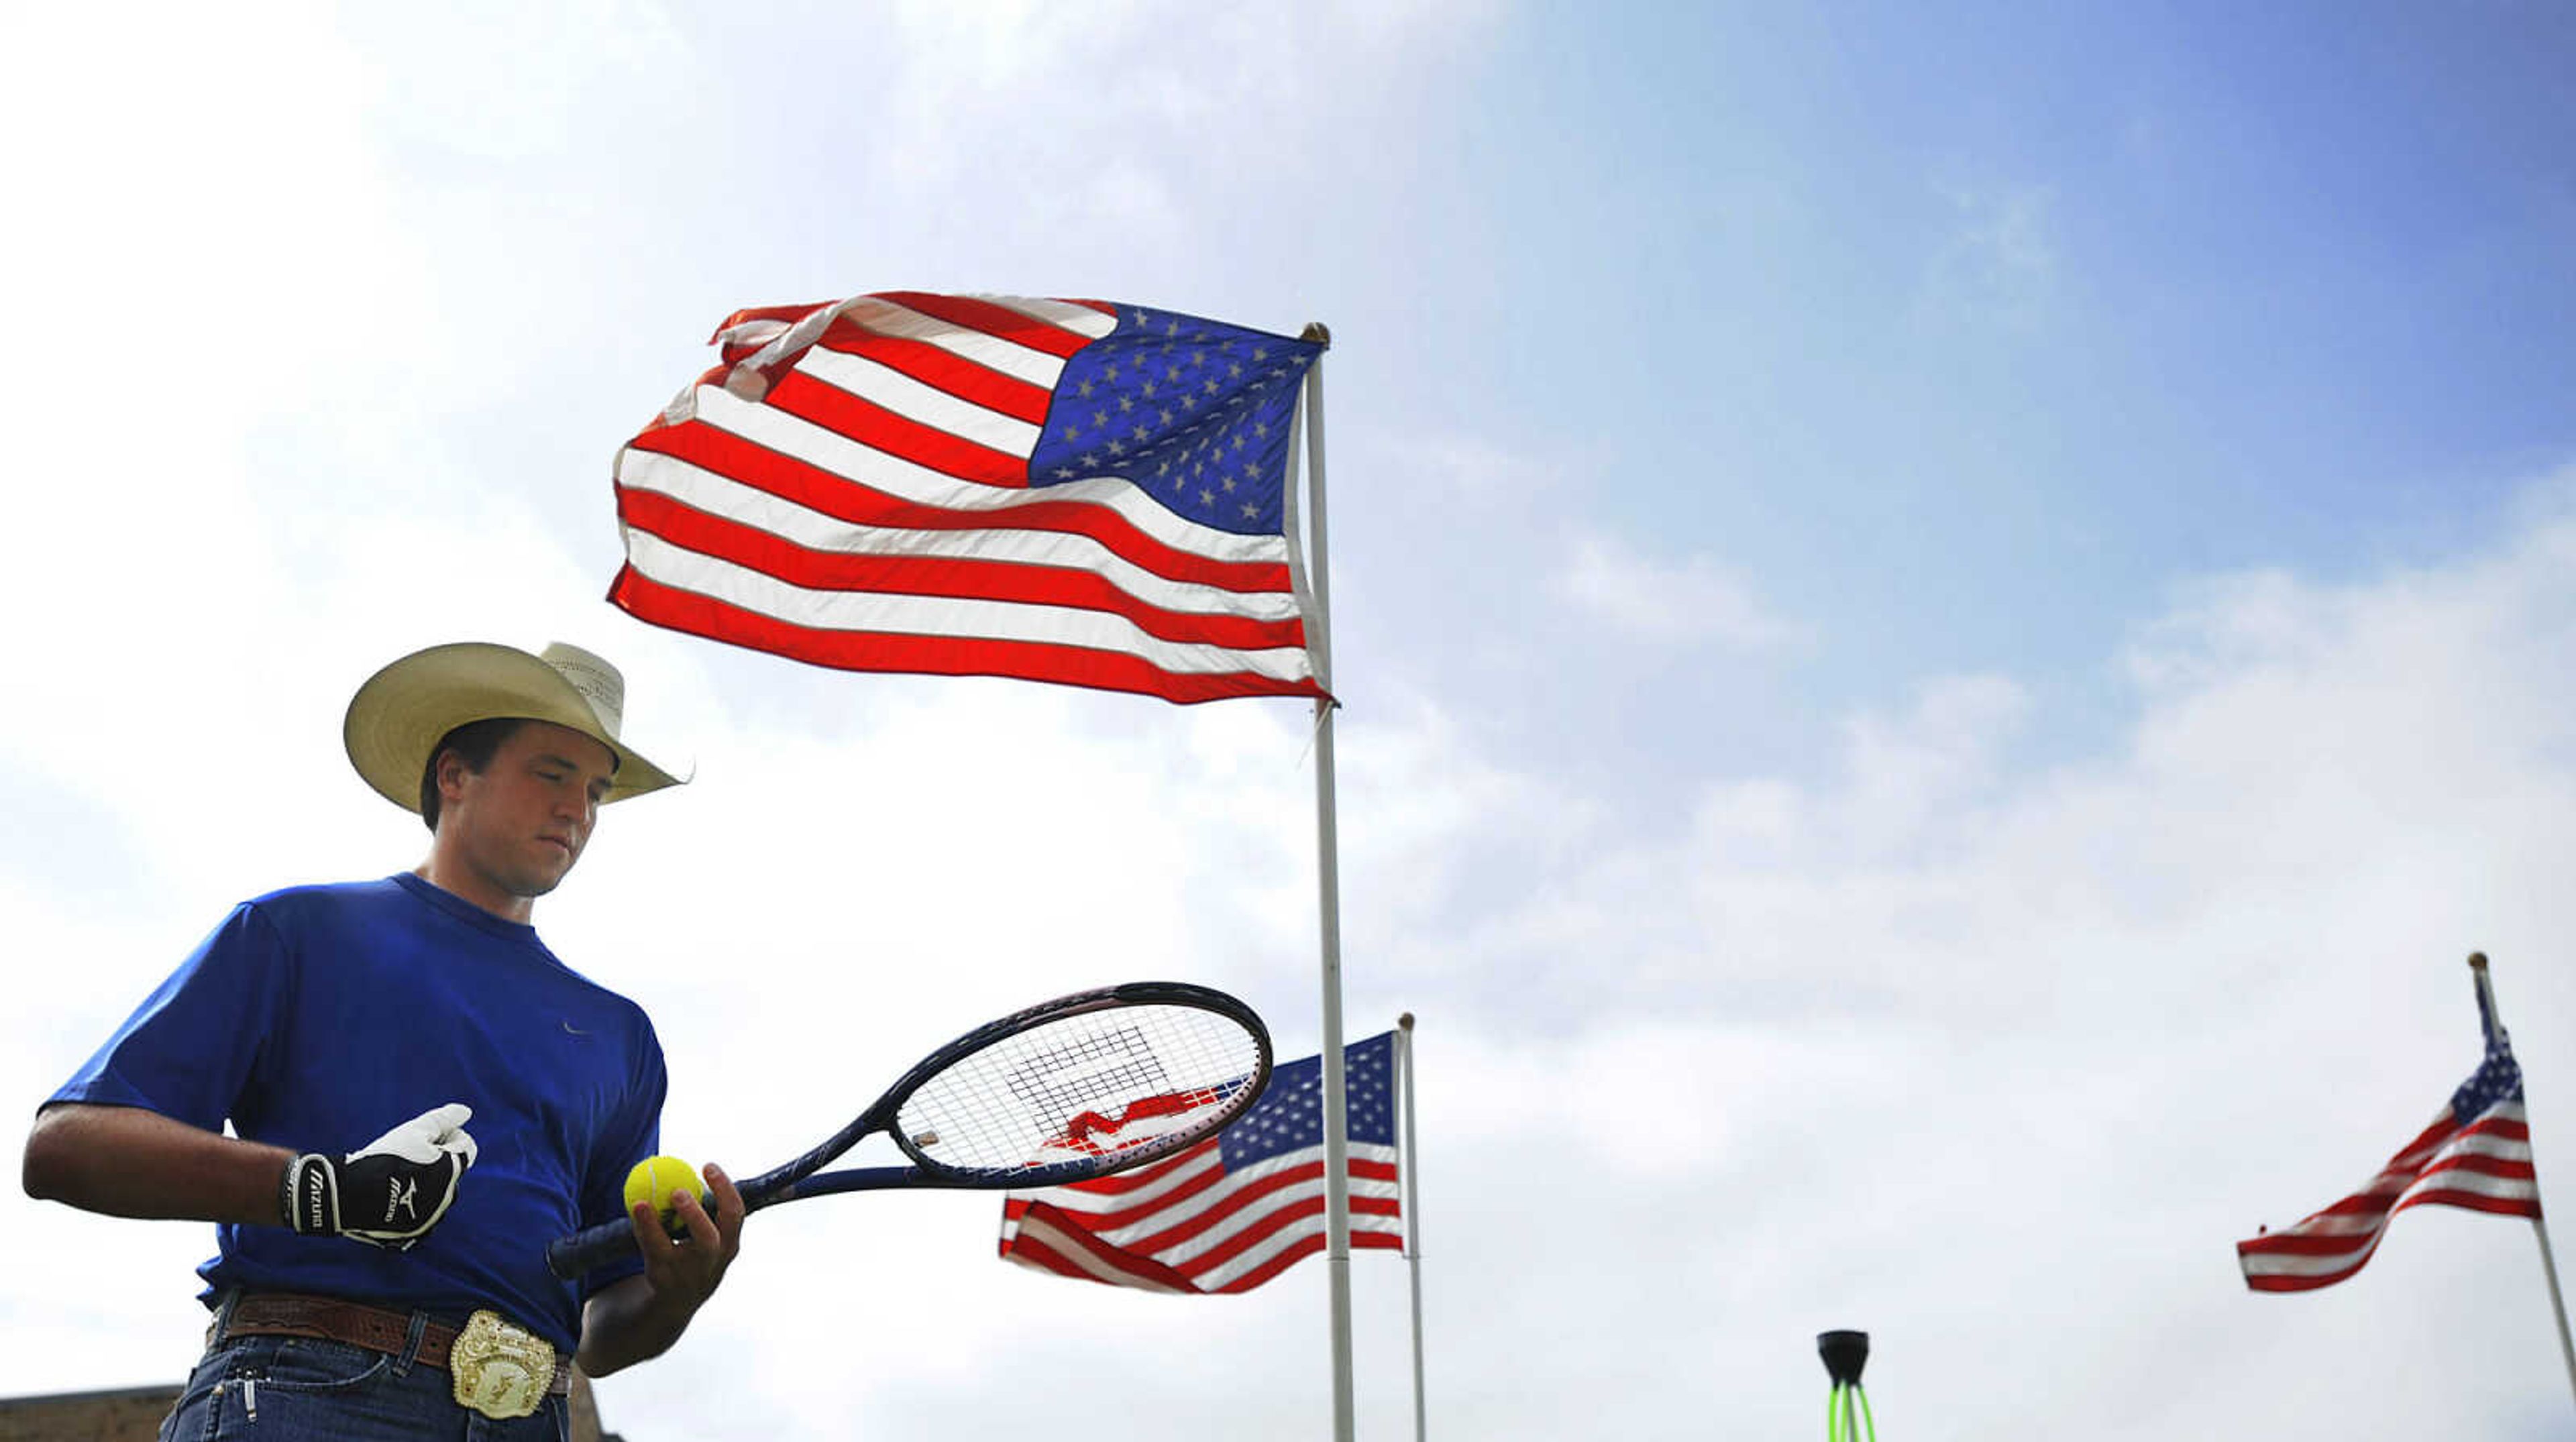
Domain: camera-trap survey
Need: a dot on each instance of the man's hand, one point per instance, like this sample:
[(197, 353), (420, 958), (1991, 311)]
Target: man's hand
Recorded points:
[(642, 1316), (684, 1270), (388, 1193)]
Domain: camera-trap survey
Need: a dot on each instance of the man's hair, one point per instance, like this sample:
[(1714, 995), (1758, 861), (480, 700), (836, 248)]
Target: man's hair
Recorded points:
[(475, 743)]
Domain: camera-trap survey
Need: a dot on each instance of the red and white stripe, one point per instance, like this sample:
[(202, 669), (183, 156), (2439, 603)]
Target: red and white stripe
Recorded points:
[(1187, 1225), (851, 489), (2485, 1167)]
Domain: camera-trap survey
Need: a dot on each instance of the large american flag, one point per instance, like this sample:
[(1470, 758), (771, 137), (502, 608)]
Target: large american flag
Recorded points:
[(1232, 1212), (2476, 1154), (1067, 491)]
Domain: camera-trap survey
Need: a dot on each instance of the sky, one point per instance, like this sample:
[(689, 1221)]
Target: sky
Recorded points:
[(1949, 627)]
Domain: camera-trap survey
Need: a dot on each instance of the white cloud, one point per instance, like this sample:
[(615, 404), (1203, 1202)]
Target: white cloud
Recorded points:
[(1999, 262), (500, 85), (1672, 603)]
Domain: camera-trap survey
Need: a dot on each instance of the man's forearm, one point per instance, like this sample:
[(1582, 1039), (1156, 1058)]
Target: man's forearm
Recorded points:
[(639, 1318), (628, 1323), (129, 1162)]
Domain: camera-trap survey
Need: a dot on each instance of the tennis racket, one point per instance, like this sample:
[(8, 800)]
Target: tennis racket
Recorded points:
[(1070, 1089)]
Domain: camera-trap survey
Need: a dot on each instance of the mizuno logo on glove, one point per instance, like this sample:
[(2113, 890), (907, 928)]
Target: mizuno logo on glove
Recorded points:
[(317, 1208)]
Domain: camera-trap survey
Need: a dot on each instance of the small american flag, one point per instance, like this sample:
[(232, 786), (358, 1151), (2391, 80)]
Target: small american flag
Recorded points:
[(1066, 491), (1232, 1212), (2476, 1154)]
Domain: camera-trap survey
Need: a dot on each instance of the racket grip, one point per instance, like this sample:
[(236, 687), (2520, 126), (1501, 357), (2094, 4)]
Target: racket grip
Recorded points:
[(590, 1249)]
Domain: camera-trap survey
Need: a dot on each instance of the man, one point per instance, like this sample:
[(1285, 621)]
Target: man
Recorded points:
[(386, 1288)]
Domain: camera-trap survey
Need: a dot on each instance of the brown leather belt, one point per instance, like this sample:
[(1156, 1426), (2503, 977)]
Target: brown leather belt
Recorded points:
[(286, 1314)]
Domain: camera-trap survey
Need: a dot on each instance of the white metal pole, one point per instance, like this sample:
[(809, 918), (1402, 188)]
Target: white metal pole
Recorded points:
[(2539, 1228), (1337, 1174), (1408, 1179), (2557, 1304)]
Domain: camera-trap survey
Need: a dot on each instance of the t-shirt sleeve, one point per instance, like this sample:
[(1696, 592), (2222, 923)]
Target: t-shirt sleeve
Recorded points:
[(190, 1048), (635, 1134)]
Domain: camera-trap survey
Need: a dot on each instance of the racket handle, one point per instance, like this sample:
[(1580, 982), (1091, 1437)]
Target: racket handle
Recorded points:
[(590, 1249)]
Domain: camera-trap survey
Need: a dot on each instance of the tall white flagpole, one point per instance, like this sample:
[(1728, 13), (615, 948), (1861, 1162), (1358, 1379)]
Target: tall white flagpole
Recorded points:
[(2539, 1227), (1412, 1194), (1337, 1174)]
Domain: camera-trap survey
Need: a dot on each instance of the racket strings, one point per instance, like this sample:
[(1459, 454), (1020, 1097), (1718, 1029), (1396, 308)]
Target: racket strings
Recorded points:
[(1119, 1085), (1067, 1078)]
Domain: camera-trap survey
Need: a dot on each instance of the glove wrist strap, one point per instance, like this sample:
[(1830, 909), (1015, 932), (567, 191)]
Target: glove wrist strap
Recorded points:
[(309, 1195)]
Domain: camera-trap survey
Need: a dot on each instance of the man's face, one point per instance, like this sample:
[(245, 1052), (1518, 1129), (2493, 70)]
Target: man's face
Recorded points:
[(521, 823)]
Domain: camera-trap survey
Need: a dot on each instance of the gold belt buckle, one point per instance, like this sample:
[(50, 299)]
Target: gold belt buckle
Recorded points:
[(499, 1369)]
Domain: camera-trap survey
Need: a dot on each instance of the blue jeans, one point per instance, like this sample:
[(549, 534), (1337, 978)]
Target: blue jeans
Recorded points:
[(297, 1389)]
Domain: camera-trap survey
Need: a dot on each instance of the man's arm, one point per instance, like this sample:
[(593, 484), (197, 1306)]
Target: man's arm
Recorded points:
[(133, 1162), (129, 1162), (639, 1318)]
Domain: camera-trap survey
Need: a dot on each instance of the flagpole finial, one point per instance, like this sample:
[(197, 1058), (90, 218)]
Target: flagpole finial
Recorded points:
[(1845, 1353), (2477, 961), (1405, 1021), (1318, 332)]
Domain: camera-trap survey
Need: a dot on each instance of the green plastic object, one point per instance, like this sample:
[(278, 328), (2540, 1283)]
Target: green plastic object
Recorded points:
[(1842, 1423)]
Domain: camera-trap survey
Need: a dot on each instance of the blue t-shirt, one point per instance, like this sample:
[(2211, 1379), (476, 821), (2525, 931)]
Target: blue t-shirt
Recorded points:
[(320, 1017)]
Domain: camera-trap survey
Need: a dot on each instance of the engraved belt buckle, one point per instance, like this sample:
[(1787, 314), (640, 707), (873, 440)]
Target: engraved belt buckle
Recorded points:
[(500, 1370)]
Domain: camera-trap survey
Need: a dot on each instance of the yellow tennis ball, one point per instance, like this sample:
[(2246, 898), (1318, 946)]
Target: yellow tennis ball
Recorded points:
[(653, 1181)]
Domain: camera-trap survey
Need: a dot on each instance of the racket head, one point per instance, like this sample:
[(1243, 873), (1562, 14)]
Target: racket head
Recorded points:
[(1081, 1086)]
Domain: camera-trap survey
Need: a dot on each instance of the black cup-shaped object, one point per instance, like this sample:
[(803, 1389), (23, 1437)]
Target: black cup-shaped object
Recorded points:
[(1845, 1353)]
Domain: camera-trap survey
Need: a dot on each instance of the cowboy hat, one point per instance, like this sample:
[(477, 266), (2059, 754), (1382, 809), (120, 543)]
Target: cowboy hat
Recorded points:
[(406, 708)]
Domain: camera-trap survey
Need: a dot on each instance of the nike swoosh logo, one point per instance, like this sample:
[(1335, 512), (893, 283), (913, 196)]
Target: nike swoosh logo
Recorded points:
[(571, 1030)]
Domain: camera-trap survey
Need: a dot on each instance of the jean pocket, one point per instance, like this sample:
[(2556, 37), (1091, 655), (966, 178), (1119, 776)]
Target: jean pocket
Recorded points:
[(308, 1365)]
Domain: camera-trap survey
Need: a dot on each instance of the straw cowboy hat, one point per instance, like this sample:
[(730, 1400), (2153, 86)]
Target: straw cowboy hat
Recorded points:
[(405, 709)]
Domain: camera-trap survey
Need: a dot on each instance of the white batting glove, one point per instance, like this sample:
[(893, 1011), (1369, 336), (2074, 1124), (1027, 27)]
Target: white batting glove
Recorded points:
[(388, 1193)]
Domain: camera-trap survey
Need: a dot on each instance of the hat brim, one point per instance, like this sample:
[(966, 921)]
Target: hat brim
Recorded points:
[(405, 709)]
